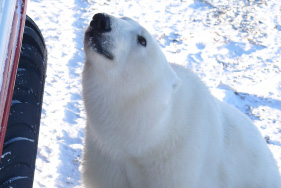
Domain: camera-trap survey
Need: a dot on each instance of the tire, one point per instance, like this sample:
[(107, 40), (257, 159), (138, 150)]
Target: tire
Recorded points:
[(21, 140)]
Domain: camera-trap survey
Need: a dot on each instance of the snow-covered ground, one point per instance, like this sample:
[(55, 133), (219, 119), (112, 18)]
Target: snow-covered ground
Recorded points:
[(233, 45)]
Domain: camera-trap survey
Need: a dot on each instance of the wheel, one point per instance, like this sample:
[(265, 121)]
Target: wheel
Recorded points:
[(20, 145)]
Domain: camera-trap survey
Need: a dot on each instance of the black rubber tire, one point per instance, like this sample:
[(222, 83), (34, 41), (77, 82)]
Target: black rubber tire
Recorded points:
[(21, 140)]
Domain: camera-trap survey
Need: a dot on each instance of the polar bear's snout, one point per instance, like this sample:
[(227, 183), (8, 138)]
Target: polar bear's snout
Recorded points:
[(101, 22), (98, 35)]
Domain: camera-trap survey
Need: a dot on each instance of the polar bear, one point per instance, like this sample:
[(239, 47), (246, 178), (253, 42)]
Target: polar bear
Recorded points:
[(151, 124)]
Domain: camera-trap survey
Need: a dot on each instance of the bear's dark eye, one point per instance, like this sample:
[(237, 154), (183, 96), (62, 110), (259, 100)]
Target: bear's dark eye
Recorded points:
[(142, 40)]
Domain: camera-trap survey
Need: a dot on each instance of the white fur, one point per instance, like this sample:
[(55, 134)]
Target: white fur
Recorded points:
[(151, 124)]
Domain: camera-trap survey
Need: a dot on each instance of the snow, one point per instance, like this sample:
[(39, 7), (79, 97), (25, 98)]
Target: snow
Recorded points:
[(5, 154), (15, 179), (234, 46), (16, 139)]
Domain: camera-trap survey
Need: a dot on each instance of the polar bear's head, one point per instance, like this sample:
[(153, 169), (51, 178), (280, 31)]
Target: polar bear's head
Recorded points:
[(128, 85), (124, 54)]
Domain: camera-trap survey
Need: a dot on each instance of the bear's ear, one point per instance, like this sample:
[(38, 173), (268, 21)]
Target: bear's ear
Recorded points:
[(173, 87), (176, 84)]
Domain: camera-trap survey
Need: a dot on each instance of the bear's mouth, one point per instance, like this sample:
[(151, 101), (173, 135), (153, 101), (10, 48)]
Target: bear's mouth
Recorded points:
[(99, 43), (97, 35)]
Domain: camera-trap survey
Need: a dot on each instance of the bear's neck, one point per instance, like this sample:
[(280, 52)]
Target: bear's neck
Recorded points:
[(133, 124)]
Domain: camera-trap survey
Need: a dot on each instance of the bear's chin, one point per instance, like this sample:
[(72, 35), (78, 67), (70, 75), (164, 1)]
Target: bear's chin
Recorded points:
[(104, 53), (98, 44)]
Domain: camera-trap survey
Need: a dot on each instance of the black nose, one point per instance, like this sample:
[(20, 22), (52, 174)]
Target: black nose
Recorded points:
[(101, 22)]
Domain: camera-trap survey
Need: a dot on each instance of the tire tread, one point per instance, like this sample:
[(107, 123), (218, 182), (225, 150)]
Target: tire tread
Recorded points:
[(21, 140)]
